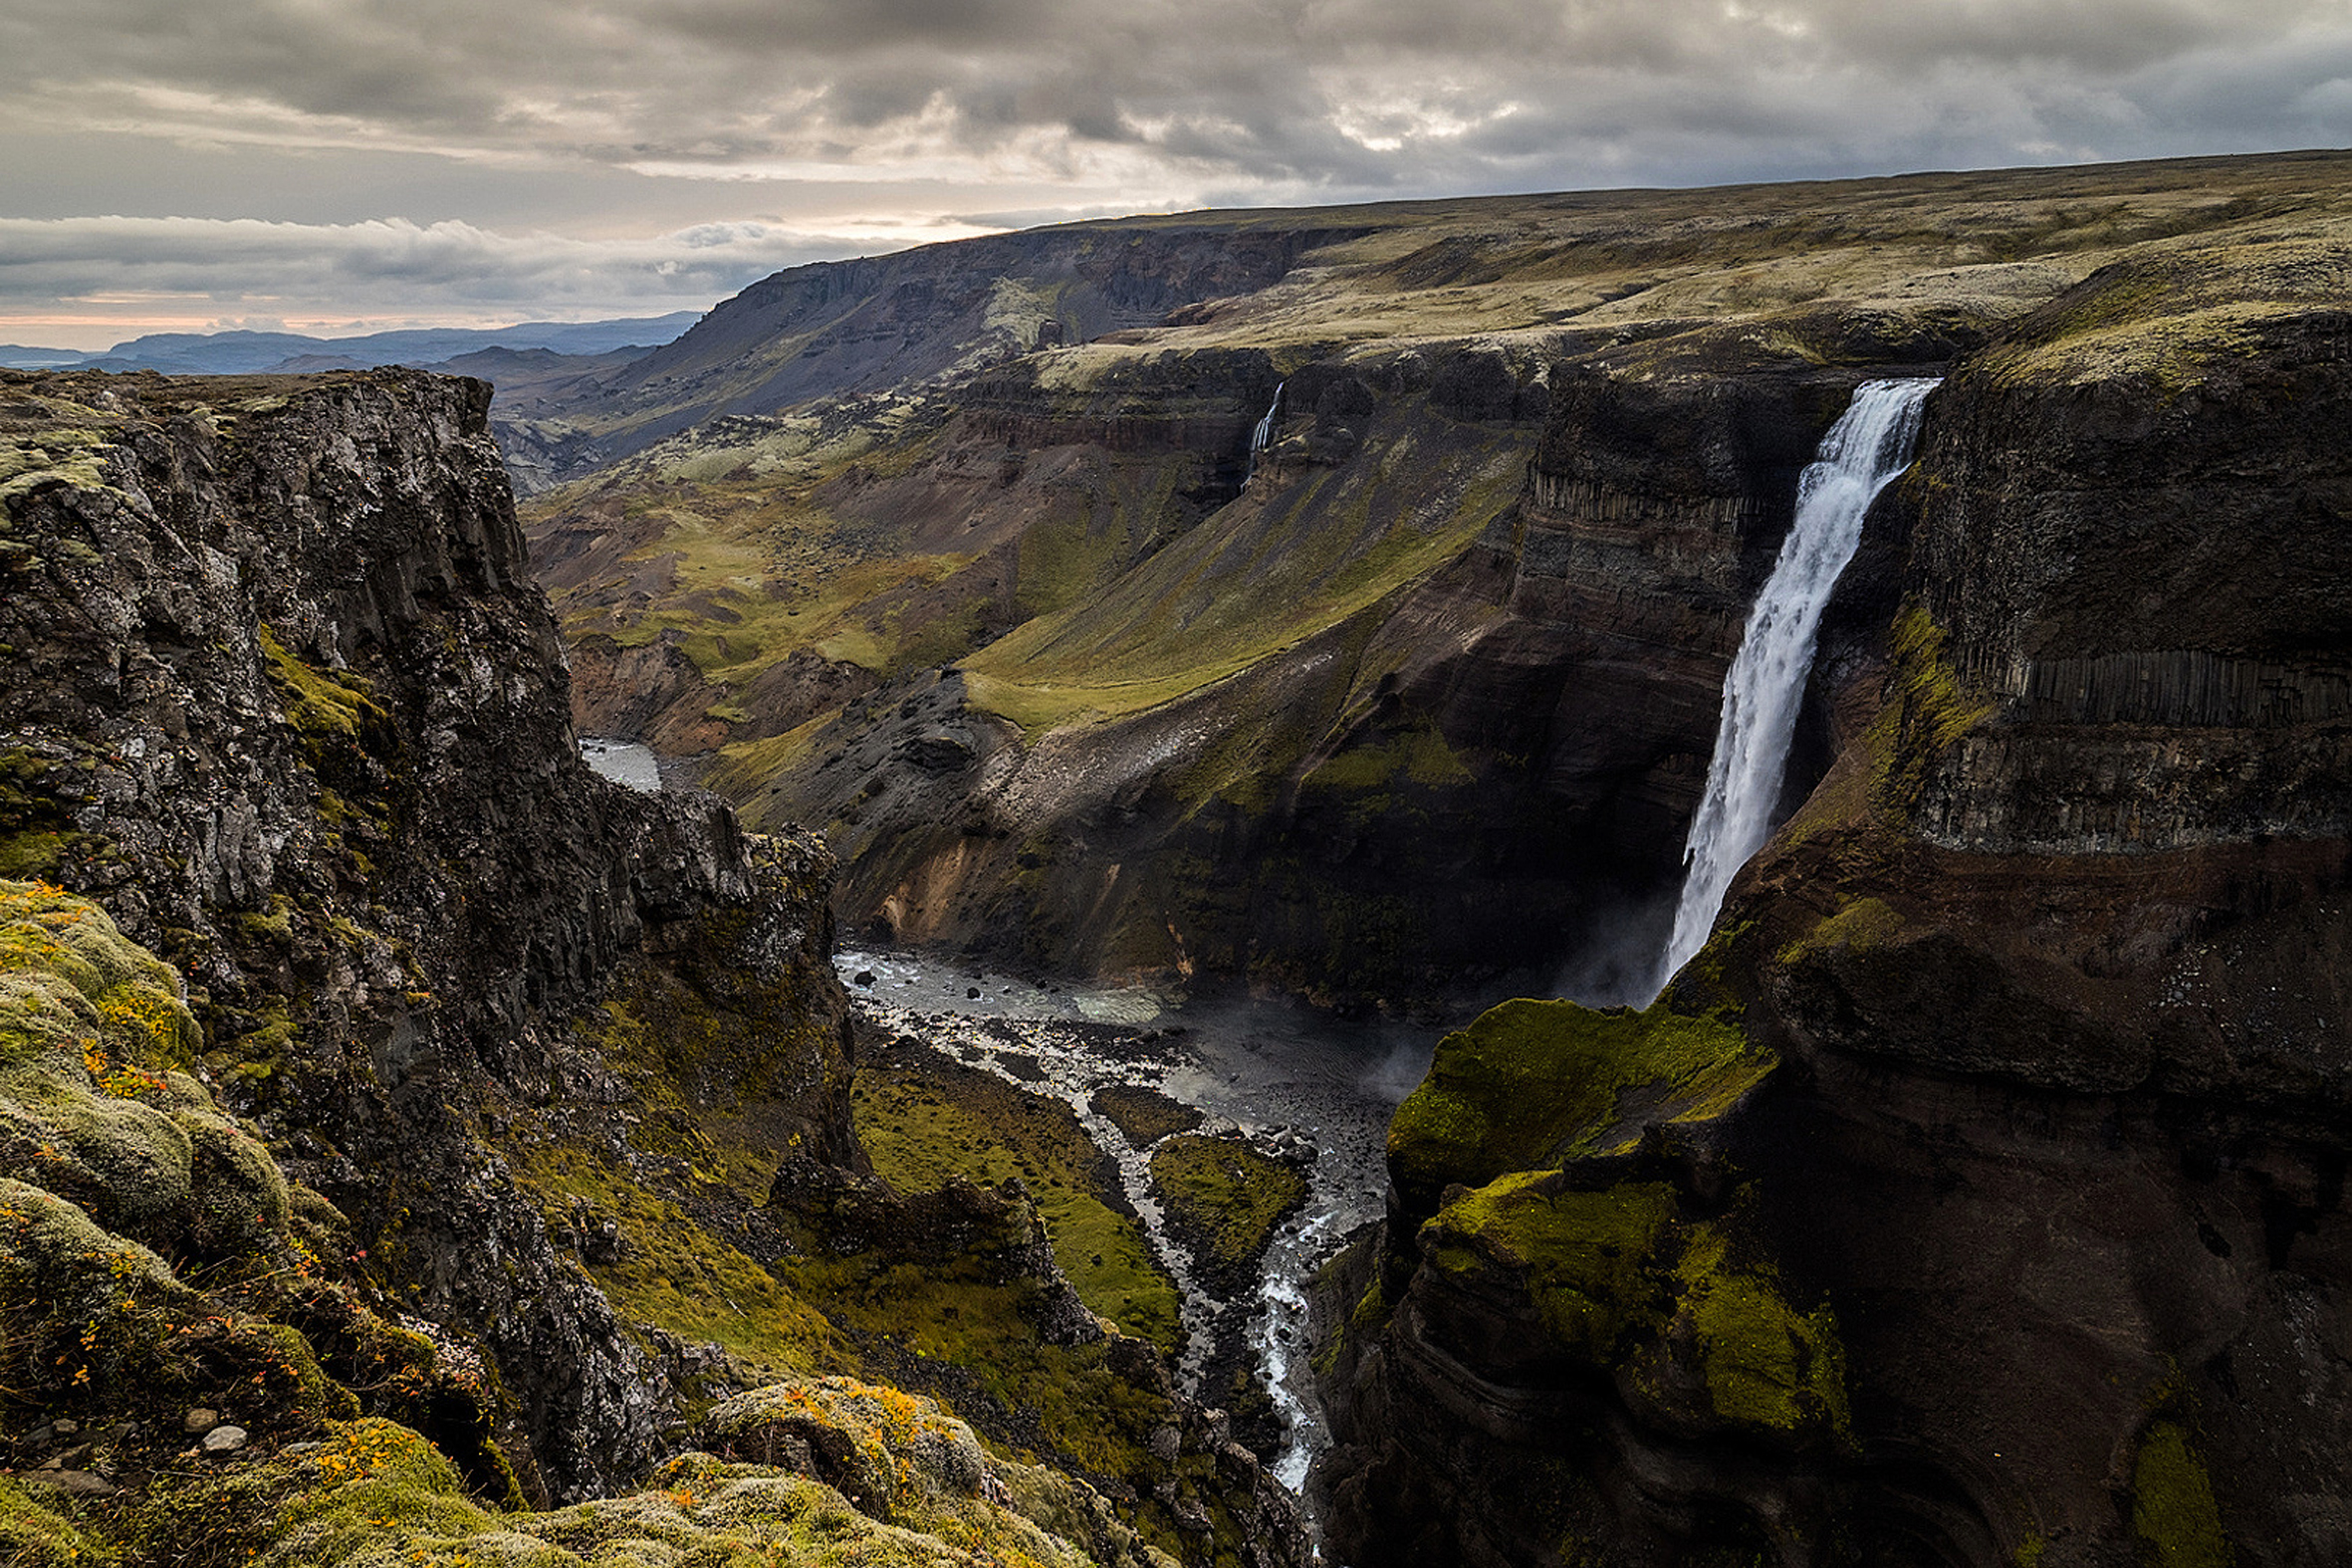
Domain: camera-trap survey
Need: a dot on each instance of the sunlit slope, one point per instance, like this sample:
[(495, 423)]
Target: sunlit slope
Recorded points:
[(1278, 565)]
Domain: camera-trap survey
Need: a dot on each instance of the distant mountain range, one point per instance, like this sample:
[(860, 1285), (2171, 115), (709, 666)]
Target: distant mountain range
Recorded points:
[(248, 353)]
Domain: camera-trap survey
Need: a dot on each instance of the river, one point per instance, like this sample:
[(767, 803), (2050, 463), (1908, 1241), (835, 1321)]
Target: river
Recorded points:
[(1294, 1081)]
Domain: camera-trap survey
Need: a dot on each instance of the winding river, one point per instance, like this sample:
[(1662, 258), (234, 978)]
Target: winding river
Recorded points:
[(1294, 1081)]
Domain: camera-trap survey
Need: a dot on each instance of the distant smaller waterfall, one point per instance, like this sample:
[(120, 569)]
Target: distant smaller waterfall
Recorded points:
[(1868, 446), (1262, 437)]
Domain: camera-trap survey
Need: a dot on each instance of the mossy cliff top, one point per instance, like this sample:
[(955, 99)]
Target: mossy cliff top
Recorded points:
[(335, 786), (1682, 1313), (844, 1474), (1530, 1084), (1524, 1160), (822, 1472), (156, 1261), (1225, 1199)]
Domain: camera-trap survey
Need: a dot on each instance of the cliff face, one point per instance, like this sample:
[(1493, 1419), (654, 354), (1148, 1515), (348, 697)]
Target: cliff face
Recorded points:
[(960, 569), (279, 692), (1425, 700), (504, 1108), (1975, 1196)]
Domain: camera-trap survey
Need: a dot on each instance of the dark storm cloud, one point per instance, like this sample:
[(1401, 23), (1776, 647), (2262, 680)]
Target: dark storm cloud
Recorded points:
[(1036, 105), (1331, 93)]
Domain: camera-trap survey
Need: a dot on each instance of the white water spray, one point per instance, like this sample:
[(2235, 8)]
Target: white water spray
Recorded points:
[(1867, 447), (1262, 437)]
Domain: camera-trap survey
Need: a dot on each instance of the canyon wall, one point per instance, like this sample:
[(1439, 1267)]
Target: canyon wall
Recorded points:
[(279, 692), (1975, 1196), (452, 1129)]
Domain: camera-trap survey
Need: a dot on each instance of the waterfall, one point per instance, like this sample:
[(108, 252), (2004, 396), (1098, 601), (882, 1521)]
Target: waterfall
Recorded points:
[(1867, 447), (1262, 437)]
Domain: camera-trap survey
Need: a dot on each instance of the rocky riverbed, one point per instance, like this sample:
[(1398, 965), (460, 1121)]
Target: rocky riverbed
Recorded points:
[(1298, 1089)]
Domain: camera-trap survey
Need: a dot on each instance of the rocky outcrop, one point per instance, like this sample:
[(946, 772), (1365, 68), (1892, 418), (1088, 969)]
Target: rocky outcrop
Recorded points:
[(215, 1372), (280, 693), (2030, 1176)]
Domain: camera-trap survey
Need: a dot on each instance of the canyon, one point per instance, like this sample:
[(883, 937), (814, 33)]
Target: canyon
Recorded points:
[(1334, 603)]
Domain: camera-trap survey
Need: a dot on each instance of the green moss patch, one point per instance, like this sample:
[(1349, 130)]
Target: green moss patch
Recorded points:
[(1926, 712), (1688, 1316), (1143, 1116), (1764, 1364), (2172, 1507), (671, 1273), (1530, 1083), (37, 1530), (321, 705), (57, 456), (375, 1495), (1225, 1196), (1864, 923), (972, 1323), (928, 1122), (94, 1105), (1591, 1258)]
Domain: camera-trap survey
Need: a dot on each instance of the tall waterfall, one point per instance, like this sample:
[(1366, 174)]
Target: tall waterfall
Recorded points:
[(1867, 447), (1262, 437)]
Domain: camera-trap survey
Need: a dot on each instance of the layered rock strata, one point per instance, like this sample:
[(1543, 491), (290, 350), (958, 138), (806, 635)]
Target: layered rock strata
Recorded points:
[(1364, 798), (279, 690), (1976, 1195)]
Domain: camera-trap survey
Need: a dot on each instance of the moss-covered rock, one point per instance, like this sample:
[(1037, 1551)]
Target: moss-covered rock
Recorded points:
[(37, 1530), (153, 1257), (1686, 1316), (926, 1120), (1590, 1259), (376, 1495), (1530, 1084), (1224, 1198), (92, 1104), (2173, 1508), (1143, 1116)]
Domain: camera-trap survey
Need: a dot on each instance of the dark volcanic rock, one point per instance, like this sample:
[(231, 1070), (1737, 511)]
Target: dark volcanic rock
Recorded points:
[(278, 690), (2032, 1209)]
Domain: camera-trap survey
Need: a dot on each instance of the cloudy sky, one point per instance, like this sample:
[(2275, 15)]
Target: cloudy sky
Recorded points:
[(340, 165)]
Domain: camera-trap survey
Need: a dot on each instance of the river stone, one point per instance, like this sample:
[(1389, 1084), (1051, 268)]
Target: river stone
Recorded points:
[(74, 1483), (201, 1421), (224, 1440)]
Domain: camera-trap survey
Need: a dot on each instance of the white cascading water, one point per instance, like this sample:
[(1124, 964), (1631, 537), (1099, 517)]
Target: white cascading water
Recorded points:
[(1867, 447), (1262, 437)]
